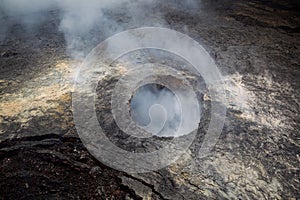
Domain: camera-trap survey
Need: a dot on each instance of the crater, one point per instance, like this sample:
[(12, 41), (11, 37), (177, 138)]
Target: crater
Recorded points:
[(156, 109)]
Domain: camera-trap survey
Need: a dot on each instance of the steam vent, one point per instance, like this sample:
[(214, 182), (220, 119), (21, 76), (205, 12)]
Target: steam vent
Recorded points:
[(131, 99)]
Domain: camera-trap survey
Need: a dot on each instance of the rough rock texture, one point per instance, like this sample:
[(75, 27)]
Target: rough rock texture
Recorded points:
[(256, 46)]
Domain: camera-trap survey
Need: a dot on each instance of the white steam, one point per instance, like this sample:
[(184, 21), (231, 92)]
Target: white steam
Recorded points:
[(156, 109), (79, 18), (86, 23)]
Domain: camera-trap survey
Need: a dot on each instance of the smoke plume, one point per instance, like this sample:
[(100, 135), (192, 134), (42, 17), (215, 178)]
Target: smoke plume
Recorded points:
[(86, 23), (78, 19)]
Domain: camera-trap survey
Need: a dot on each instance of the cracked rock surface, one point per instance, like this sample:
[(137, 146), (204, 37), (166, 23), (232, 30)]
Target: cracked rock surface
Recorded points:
[(256, 46)]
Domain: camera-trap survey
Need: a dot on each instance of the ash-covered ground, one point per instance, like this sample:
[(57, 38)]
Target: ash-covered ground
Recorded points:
[(256, 46)]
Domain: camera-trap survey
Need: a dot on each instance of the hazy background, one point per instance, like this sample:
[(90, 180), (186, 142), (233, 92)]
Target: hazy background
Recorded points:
[(80, 20)]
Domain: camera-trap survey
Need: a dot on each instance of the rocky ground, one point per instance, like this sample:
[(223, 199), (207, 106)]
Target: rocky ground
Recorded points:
[(256, 46)]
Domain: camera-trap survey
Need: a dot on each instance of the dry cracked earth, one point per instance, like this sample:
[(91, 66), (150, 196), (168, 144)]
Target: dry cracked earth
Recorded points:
[(256, 46)]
